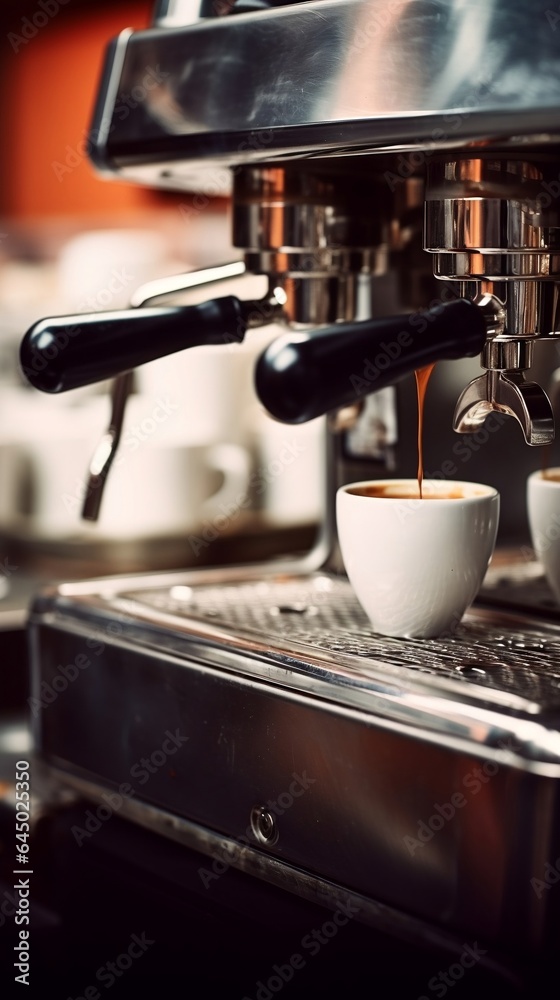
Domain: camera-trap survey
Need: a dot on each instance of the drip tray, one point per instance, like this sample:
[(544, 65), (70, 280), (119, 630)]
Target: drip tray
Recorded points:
[(493, 649), (420, 776)]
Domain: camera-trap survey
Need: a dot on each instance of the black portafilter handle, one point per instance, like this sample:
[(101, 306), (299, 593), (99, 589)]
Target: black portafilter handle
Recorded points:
[(304, 375), (67, 352)]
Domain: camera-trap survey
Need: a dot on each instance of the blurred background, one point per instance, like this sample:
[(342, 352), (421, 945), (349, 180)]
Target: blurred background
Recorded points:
[(73, 242), (201, 477)]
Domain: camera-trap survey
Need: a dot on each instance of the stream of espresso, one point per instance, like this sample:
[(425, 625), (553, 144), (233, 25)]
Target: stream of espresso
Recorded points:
[(422, 379)]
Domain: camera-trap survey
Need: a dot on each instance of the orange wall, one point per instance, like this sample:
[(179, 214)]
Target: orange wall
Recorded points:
[(50, 87)]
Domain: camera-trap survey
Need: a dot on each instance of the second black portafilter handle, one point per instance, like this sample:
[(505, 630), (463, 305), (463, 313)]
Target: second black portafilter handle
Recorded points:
[(304, 375), (67, 352)]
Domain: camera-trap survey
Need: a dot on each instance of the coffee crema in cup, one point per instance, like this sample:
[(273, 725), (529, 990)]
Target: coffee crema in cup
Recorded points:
[(415, 567), (431, 491)]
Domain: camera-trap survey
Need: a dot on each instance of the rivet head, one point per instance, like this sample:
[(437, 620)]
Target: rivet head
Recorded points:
[(263, 825)]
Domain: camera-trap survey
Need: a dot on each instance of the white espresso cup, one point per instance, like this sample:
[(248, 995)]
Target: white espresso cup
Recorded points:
[(416, 565), (152, 492), (543, 507)]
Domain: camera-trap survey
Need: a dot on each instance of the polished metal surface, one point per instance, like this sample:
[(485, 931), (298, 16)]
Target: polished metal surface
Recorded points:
[(391, 84), (525, 309), (500, 354), (248, 858), (273, 679), (329, 78), (159, 287), (106, 450), (506, 392), (176, 13), (301, 207), (316, 638), (494, 206), (492, 225), (316, 299), (314, 234), (489, 267), (485, 223), (322, 614)]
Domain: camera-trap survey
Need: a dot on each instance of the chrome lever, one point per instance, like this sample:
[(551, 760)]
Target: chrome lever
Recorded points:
[(507, 392), (159, 287)]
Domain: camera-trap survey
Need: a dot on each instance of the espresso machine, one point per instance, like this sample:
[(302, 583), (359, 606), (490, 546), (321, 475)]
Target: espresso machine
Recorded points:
[(394, 173)]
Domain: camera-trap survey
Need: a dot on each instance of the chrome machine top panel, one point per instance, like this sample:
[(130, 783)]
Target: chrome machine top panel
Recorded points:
[(330, 77)]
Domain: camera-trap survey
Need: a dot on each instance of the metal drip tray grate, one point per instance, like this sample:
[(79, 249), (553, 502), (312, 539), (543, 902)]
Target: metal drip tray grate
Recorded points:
[(494, 649)]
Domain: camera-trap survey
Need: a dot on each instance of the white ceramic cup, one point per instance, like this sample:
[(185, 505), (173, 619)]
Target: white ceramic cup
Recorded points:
[(543, 507), (152, 492), (416, 565)]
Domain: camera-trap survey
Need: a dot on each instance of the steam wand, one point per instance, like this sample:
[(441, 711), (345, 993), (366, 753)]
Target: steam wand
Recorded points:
[(106, 450), (122, 387)]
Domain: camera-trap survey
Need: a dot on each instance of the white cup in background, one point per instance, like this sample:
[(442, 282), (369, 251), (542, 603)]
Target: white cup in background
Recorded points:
[(543, 508), (416, 565), (155, 491), (289, 469), (208, 386), (162, 482), (13, 477), (101, 268)]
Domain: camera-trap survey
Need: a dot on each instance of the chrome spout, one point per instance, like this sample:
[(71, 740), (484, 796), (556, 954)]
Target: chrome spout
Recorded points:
[(508, 393)]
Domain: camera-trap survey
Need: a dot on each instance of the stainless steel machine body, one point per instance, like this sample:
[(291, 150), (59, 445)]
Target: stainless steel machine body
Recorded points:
[(432, 767), (420, 777)]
